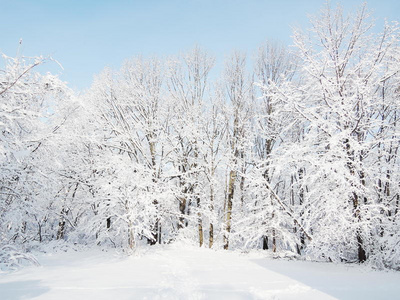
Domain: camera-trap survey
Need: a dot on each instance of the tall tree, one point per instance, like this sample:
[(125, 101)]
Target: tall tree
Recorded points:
[(188, 85), (339, 102), (239, 92)]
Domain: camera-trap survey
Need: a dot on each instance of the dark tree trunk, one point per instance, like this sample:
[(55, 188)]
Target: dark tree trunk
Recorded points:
[(61, 226), (362, 256), (265, 242), (109, 223)]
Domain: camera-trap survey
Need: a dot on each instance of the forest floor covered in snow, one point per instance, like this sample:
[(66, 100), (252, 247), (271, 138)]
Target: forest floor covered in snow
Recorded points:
[(182, 272)]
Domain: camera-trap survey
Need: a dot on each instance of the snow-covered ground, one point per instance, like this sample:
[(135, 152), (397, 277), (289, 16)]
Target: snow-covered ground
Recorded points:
[(176, 272)]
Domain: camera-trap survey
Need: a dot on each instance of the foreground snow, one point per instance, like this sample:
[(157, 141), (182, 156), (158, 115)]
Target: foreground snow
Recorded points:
[(190, 273)]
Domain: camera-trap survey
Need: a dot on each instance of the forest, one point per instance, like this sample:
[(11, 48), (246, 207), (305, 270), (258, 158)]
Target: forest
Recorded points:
[(293, 150)]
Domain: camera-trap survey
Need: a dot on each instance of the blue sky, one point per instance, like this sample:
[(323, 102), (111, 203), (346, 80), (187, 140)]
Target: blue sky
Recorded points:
[(85, 36)]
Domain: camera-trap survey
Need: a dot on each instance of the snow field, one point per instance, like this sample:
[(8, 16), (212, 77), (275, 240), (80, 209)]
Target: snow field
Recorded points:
[(175, 272)]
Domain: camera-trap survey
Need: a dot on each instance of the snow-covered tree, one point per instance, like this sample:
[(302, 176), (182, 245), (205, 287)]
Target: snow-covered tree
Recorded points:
[(27, 125), (347, 104), (188, 87)]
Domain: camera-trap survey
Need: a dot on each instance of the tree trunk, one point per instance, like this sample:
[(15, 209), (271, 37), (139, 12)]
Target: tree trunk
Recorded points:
[(155, 234), (273, 241), (131, 235), (228, 212), (362, 256), (40, 232), (265, 242), (356, 203), (108, 222), (211, 232), (211, 237), (200, 223), (182, 209), (61, 226)]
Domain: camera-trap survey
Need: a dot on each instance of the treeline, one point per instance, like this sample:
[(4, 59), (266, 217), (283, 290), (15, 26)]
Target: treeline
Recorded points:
[(293, 151)]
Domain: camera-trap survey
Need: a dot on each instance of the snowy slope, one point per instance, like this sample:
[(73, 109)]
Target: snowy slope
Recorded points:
[(190, 273)]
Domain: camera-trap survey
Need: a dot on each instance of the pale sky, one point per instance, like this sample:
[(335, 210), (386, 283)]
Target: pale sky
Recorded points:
[(85, 35)]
